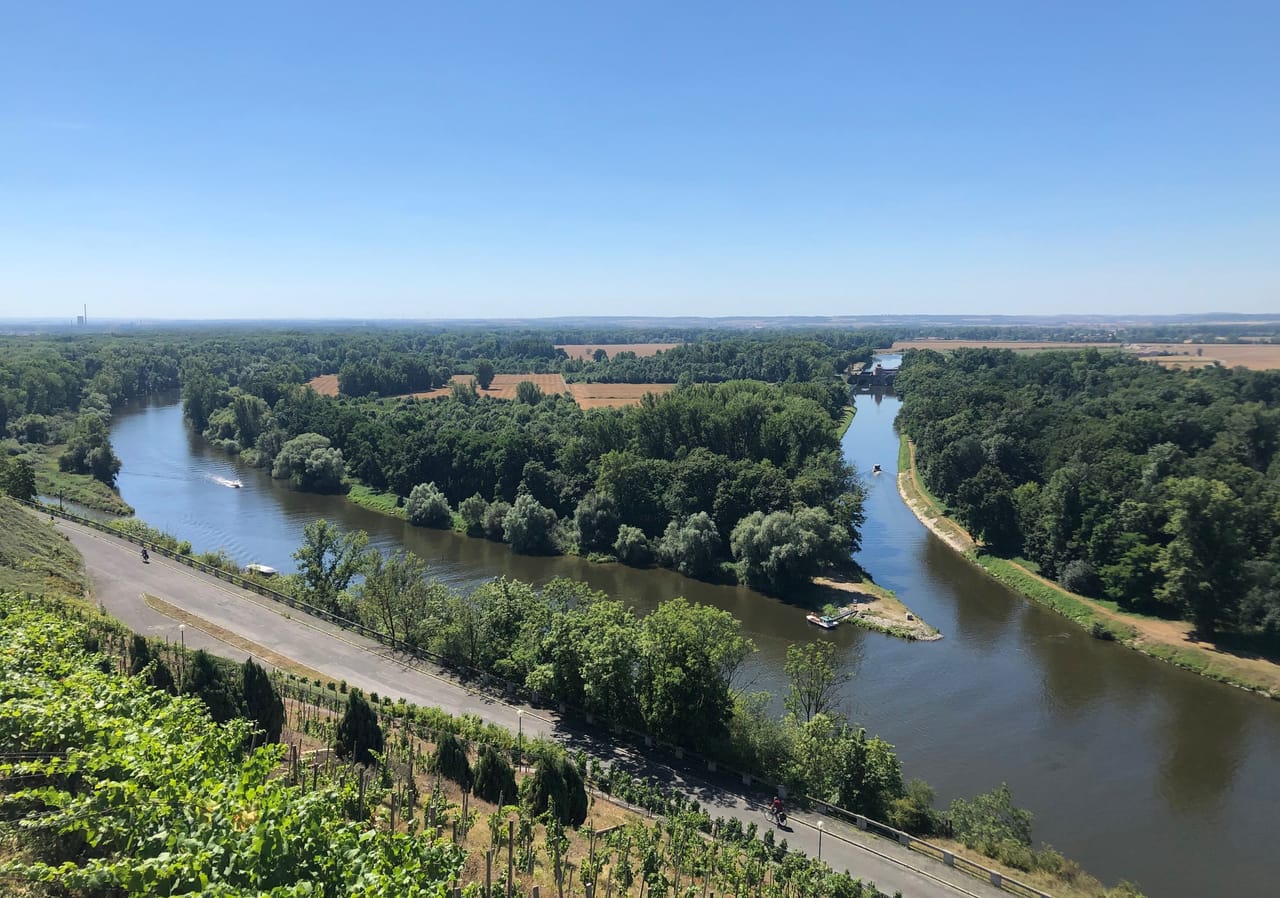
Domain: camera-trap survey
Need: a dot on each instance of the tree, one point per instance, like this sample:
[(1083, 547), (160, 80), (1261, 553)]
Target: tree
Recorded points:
[(528, 392), (484, 373), (691, 547), (1202, 572), (262, 702), (530, 527), (990, 819), (472, 510), (815, 679), (308, 462), (18, 479), (358, 736), (632, 547), (395, 596), (328, 560), (596, 519), (427, 507), (450, 761), (495, 781), (556, 784), (495, 520), (783, 550), (208, 680), (89, 450)]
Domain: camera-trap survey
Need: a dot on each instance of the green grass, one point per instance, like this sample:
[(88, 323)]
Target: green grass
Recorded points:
[(382, 502), (34, 557), (845, 420), (1052, 597), (904, 454), (78, 488)]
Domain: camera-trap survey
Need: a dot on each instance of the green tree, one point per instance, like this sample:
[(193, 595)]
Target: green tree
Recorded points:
[(814, 679), (528, 393), (472, 510), (328, 560), (495, 780), (555, 784), (691, 547), (784, 550), (484, 373), (597, 520), (990, 819), (530, 527), (396, 597), (358, 736), (1201, 562), (428, 507), (632, 546), (18, 479), (262, 702), (308, 462), (207, 679), (450, 761)]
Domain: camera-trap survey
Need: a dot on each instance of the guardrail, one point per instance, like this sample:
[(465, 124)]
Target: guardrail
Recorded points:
[(511, 689)]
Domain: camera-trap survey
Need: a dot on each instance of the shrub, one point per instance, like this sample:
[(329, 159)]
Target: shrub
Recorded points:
[(427, 507), (359, 735), (1080, 577), (556, 782), (632, 547), (495, 781), (450, 761)]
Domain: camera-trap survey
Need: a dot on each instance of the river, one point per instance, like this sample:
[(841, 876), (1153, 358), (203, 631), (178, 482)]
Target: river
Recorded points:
[(1131, 767)]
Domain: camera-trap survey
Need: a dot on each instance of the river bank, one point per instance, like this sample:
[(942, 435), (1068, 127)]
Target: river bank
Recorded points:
[(1166, 640)]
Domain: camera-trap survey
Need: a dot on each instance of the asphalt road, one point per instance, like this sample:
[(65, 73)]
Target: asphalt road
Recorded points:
[(120, 579)]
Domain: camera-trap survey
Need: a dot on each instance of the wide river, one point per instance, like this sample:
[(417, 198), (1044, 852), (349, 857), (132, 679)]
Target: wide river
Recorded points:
[(1132, 767)]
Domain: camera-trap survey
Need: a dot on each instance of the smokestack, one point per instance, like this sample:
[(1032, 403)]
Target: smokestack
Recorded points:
[(86, 314)]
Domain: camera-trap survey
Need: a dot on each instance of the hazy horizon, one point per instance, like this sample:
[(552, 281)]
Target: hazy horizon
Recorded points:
[(515, 161)]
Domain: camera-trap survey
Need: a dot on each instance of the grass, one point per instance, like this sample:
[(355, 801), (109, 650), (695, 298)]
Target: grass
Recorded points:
[(1069, 605), (79, 488), (846, 419), (382, 502), (34, 557)]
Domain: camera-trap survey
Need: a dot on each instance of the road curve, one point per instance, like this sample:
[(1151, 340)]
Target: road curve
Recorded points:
[(120, 579)]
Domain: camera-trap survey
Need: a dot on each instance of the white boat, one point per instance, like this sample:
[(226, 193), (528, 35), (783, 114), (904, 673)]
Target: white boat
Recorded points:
[(260, 569), (825, 621)]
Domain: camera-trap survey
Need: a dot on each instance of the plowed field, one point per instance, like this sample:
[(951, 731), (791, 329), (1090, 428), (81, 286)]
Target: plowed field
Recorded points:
[(503, 386), (325, 384), (1259, 356)]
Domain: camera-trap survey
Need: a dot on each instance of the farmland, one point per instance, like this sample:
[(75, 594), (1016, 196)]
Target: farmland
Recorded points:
[(588, 350), (614, 395), (504, 387), (1257, 356)]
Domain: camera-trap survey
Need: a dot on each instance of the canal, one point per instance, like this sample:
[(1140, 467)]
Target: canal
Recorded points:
[(1131, 767)]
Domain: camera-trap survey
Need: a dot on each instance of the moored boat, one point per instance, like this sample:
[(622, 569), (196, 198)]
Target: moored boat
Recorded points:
[(825, 621)]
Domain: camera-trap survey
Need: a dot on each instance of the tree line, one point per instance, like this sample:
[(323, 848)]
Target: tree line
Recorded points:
[(1120, 479)]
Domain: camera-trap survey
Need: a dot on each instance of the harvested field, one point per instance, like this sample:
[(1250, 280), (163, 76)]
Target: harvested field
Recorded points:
[(1259, 356), (325, 384), (1016, 345), (503, 386), (587, 350), (614, 395)]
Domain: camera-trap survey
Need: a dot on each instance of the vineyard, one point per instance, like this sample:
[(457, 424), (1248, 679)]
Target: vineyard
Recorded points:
[(112, 785)]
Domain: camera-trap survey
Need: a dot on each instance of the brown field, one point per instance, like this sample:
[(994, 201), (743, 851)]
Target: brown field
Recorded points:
[(1259, 356), (503, 386), (1016, 345), (325, 384), (614, 395), (587, 350)]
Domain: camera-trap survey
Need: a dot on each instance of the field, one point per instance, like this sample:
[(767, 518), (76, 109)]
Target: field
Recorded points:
[(1258, 356), (325, 384), (504, 387), (614, 395), (587, 350)]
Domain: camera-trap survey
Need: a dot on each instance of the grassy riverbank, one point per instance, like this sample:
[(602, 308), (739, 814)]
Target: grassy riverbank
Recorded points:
[(79, 488), (1167, 640), (846, 419)]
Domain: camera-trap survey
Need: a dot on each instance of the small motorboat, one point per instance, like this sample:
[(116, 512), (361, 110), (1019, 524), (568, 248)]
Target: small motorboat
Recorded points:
[(875, 469), (825, 621)]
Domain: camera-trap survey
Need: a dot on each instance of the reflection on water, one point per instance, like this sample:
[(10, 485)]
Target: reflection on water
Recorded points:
[(1133, 768)]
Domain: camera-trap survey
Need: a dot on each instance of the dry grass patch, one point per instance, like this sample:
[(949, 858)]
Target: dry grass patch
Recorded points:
[(324, 384), (1258, 356), (615, 395), (588, 350)]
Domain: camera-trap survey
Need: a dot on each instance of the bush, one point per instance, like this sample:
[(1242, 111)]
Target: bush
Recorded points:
[(556, 782), (450, 761), (913, 812), (472, 510), (359, 735), (262, 702), (495, 781), (427, 507), (990, 821), (529, 527), (632, 547), (495, 517), (1080, 577)]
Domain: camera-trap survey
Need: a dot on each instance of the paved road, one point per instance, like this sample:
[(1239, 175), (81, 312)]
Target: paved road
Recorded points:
[(120, 579)]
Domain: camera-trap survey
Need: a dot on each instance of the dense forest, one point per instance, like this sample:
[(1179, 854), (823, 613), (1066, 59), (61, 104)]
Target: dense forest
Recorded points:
[(1155, 488)]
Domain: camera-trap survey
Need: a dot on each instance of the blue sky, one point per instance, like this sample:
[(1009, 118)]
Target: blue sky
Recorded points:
[(535, 159)]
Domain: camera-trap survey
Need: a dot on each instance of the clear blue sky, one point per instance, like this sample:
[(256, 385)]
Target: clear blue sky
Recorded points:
[(476, 159)]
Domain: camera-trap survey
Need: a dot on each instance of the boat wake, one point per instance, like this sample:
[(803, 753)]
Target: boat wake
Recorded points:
[(227, 481)]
